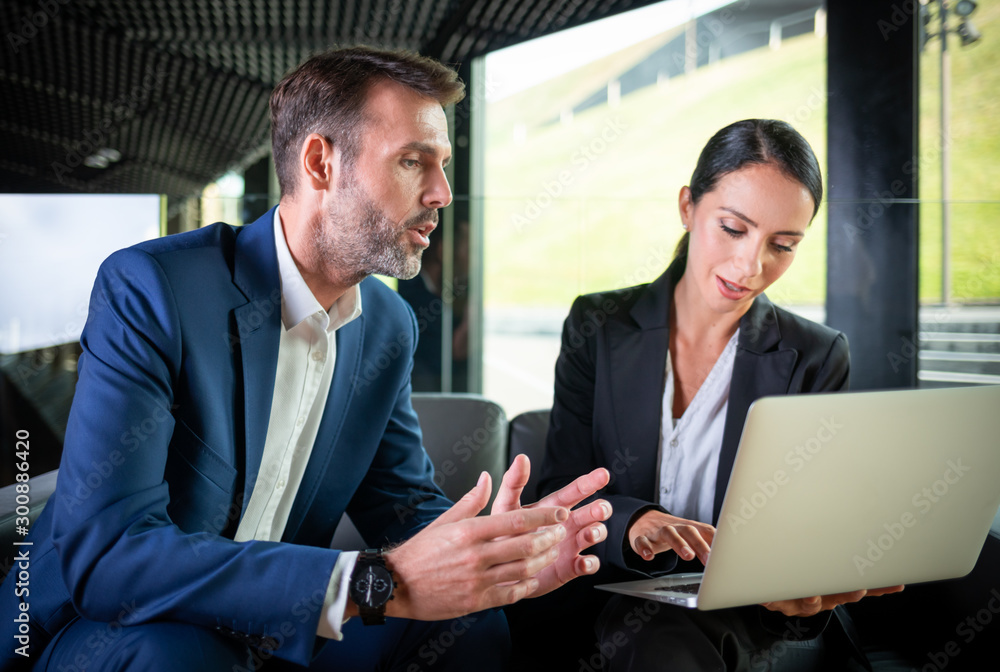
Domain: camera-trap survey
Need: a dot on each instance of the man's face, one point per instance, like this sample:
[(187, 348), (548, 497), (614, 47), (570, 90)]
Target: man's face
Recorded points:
[(387, 201)]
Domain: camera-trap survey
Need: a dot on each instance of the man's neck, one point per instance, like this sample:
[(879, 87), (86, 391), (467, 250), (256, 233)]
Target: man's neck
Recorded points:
[(298, 224)]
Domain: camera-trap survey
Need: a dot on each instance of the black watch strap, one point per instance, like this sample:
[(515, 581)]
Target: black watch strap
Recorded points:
[(373, 614)]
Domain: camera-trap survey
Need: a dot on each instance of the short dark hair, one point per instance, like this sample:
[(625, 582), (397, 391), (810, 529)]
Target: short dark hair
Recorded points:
[(755, 141), (327, 95)]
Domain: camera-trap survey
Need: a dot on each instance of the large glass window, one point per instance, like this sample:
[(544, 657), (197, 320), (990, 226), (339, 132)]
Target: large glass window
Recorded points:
[(583, 168), (959, 169)]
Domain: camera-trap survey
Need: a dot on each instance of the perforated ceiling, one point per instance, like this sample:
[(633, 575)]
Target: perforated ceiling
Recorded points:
[(177, 89)]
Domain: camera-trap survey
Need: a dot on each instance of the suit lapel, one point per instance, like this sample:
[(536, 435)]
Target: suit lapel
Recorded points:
[(638, 355), (258, 325), (761, 368)]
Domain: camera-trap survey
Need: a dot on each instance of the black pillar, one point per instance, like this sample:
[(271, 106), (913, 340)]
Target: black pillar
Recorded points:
[(872, 289)]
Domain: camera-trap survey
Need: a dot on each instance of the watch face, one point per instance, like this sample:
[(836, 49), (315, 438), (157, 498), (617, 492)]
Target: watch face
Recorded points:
[(372, 586)]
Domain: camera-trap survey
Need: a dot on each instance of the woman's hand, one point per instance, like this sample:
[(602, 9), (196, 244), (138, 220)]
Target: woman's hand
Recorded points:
[(654, 532), (810, 606)]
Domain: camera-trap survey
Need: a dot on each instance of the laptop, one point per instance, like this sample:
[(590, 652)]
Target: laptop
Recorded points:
[(831, 493)]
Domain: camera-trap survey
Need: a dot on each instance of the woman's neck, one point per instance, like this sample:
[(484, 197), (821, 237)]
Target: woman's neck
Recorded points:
[(692, 322)]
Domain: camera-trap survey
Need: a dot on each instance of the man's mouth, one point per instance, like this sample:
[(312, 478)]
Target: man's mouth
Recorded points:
[(421, 230)]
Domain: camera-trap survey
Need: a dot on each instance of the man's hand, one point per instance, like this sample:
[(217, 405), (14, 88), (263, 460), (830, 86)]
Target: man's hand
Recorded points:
[(460, 564), (810, 606), (583, 529), (654, 532)]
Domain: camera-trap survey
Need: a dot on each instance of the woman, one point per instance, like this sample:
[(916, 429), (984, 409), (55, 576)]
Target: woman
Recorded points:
[(654, 383)]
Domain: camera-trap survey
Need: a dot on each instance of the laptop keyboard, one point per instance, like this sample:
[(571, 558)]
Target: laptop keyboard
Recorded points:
[(688, 588)]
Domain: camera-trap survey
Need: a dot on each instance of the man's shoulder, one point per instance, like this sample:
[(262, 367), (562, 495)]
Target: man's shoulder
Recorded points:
[(218, 235)]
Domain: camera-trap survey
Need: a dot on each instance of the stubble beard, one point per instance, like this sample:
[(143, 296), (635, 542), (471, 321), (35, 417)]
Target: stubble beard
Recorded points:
[(356, 239)]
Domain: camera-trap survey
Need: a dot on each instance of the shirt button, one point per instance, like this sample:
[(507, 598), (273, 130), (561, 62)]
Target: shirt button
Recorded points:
[(280, 484), (673, 443), (317, 356), (301, 421)]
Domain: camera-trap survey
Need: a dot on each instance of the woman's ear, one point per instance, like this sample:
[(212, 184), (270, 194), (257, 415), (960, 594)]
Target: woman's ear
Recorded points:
[(685, 205)]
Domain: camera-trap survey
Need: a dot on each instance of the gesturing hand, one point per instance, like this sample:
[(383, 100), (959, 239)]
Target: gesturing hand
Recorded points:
[(810, 606), (654, 532), (461, 563), (583, 529)]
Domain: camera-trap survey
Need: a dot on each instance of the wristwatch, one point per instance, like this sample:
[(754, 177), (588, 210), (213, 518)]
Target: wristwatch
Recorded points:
[(371, 586)]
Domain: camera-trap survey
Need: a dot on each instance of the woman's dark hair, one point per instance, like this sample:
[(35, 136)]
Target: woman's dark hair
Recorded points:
[(754, 141)]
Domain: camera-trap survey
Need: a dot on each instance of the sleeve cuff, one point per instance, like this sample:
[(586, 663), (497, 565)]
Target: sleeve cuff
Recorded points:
[(335, 603)]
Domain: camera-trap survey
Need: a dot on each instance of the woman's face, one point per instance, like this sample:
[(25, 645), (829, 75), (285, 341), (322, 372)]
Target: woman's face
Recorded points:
[(744, 234)]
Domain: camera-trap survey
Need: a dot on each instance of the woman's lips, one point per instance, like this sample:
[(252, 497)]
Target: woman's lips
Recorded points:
[(731, 290)]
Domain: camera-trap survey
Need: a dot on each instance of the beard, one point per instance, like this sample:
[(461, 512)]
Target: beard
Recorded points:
[(356, 239)]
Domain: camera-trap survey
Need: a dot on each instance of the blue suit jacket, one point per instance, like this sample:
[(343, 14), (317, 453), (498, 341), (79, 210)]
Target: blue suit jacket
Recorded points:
[(165, 439)]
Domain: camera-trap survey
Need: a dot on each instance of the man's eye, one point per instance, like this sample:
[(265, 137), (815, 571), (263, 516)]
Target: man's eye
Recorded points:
[(411, 163)]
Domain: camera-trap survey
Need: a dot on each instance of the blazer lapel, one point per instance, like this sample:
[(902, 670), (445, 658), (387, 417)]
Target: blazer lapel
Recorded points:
[(761, 368), (638, 355), (258, 331)]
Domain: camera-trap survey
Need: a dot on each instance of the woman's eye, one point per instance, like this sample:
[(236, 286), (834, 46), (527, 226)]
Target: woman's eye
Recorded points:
[(783, 248), (731, 232)]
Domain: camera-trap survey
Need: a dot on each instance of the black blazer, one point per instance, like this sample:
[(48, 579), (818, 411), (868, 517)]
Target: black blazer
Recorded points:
[(609, 393)]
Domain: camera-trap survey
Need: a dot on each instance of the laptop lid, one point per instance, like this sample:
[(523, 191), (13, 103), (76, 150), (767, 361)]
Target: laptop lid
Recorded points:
[(837, 492)]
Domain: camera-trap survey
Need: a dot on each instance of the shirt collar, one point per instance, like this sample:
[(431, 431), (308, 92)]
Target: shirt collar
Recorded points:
[(298, 302)]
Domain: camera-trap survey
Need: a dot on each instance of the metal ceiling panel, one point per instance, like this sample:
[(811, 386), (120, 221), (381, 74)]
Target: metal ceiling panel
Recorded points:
[(178, 89)]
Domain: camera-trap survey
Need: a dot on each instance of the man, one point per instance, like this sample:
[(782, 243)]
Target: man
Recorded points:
[(220, 427)]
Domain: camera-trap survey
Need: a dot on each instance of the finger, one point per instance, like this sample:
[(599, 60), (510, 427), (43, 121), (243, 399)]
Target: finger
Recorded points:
[(669, 538), (517, 522), (810, 606), (509, 495), (586, 564), (500, 595), (518, 547), (875, 592), (577, 491), (470, 505), (843, 598), (695, 541), (589, 536), (585, 516), (521, 569), (643, 547)]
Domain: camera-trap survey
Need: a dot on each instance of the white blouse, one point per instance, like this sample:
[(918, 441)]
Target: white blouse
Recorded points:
[(690, 445)]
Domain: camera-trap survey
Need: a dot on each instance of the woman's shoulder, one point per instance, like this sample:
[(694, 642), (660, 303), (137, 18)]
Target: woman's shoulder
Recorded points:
[(802, 333), (608, 303)]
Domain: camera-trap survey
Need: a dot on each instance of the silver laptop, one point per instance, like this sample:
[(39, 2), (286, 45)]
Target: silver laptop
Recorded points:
[(839, 492)]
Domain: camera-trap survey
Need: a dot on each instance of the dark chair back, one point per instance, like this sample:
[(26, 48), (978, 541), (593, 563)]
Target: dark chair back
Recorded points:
[(527, 435)]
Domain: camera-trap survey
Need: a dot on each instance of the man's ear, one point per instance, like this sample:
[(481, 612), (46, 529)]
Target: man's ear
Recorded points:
[(319, 162)]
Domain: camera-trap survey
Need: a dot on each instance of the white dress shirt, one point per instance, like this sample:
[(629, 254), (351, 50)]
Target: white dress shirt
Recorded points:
[(690, 445), (307, 353)]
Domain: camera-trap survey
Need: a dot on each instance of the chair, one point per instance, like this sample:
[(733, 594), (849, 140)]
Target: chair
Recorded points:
[(527, 434), (40, 488), (464, 435)]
